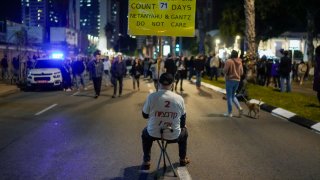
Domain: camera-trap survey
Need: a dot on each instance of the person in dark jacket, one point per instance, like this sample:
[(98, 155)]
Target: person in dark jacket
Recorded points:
[(136, 72), (190, 67), (170, 66), (118, 71), (284, 72), (78, 70), (66, 75), (199, 65), (316, 80), (95, 68), (181, 72)]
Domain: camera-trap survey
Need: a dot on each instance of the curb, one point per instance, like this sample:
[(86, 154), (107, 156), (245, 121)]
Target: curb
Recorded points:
[(9, 92), (282, 113)]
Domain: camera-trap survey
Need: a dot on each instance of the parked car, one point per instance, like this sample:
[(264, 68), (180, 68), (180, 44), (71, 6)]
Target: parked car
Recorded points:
[(46, 73)]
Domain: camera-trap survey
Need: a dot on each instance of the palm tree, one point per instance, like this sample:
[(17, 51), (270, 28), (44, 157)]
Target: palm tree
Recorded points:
[(250, 31)]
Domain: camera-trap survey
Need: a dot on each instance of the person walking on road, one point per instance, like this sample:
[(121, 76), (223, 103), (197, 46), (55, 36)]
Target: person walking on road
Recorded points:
[(118, 71), (106, 69), (157, 69), (214, 66), (95, 68), (233, 70), (284, 72), (156, 105), (181, 73), (316, 80), (136, 72), (170, 66), (78, 71), (199, 65)]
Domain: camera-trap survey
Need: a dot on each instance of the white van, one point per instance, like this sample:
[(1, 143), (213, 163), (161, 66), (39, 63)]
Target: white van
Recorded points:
[(46, 73)]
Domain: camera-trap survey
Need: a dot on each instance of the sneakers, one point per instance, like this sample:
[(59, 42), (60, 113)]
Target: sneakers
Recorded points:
[(184, 162), (227, 115), (113, 96), (96, 96), (145, 166)]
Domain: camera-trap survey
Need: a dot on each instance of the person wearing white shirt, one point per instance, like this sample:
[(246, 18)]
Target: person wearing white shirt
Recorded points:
[(106, 69), (164, 109)]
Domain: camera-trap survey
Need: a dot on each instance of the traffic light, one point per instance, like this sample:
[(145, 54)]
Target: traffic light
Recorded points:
[(177, 47)]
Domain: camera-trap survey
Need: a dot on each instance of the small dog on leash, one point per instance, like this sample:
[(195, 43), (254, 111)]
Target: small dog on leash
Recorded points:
[(253, 107)]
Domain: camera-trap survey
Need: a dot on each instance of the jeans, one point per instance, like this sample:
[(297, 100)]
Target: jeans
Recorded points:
[(287, 79), (231, 88), (198, 78), (79, 80), (147, 141)]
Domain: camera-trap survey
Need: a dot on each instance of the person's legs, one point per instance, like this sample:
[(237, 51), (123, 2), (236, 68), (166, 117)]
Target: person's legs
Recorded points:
[(115, 86), (318, 95), (229, 95), (182, 142), (95, 85), (120, 79), (288, 84), (138, 83), (234, 97), (134, 82), (282, 83), (198, 79), (181, 82), (147, 141), (99, 81)]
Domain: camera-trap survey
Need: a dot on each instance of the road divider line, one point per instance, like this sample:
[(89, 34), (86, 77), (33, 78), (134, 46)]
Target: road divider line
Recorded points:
[(46, 109), (183, 173), (76, 93)]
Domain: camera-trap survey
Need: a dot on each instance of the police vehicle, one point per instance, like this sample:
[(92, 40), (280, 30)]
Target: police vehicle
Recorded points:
[(46, 73)]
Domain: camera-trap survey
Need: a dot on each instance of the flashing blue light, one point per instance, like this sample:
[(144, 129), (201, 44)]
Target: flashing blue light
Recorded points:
[(57, 55)]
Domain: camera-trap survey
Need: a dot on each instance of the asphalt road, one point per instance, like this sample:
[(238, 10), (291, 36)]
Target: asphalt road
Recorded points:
[(69, 135)]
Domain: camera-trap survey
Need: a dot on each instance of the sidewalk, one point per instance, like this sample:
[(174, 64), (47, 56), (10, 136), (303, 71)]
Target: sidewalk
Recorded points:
[(7, 89)]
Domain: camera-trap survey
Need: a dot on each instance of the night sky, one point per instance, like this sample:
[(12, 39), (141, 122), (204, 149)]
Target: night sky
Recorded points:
[(11, 10)]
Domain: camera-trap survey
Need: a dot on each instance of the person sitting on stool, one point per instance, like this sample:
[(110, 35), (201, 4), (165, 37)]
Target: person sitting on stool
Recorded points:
[(164, 108)]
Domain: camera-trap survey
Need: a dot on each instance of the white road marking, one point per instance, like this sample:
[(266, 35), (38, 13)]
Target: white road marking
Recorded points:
[(183, 173), (46, 109), (283, 113), (76, 93), (316, 127)]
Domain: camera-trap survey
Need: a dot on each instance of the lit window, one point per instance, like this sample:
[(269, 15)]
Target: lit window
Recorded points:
[(83, 24), (88, 4), (39, 0)]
